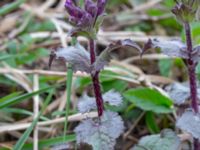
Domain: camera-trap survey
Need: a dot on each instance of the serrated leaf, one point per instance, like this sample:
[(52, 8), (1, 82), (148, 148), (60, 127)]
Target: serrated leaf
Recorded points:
[(87, 103), (173, 48), (179, 92), (196, 54), (100, 135), (190, 122), (104, 58), (76, 55), (113, 98), (149, 100), (167, 140)]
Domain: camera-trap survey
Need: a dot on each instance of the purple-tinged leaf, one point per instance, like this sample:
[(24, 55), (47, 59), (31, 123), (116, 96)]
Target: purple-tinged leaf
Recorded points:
[(86, 103), (77, 56), (100, 135), (51, 58), (148, 45), (104, 58), (173, 48), (196, 54), (190, 122)]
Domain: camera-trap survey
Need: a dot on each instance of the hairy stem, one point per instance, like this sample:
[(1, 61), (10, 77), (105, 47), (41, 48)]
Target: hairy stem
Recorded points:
[(192, 77), (95, 80), (191, 70)]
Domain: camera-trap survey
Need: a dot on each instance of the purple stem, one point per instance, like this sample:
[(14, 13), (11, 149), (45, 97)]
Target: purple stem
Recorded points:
[(192, 77), (95, 80)]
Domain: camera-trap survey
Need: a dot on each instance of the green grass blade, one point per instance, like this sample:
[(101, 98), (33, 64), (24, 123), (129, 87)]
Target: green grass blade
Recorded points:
[(28, 131), (20, 98), (69, 85), (50, 142), (10, 7), (12, 95), (21, 111)]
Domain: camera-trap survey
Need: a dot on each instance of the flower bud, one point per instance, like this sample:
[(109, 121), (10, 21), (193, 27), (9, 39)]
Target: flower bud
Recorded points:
[(185, 10), (91, 8), (73, 10), (101, 4), (85, 21)]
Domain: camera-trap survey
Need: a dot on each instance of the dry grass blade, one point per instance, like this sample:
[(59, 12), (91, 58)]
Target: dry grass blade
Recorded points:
[(35, 110), (72, 118)]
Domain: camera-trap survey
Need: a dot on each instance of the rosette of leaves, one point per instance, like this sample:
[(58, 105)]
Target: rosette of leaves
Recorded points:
[(100, 134), (166, 140), (79, 57)]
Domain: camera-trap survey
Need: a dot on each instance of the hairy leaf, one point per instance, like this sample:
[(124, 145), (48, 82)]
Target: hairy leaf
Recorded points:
[(113, 98), (100, 135), (87, 103), (104, 58), (196, 54), (76, 55), (179, 92), (173, 48), (190, 122), (167, 140)]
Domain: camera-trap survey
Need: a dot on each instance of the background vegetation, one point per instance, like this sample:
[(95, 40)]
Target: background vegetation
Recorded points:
[(29, 30)]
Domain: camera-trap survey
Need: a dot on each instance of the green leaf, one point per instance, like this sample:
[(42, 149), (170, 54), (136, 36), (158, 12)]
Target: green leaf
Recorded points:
[(151, 123), (149, 100), (24, 137), (117, 85), (50, 142), (165, 67), (99, 21), (5, 103), (166, 140)]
